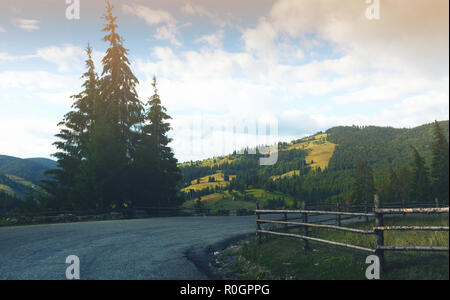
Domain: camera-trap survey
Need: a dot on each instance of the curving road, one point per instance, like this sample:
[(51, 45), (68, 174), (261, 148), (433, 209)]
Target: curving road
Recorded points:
[(158, 248), (128, 249)]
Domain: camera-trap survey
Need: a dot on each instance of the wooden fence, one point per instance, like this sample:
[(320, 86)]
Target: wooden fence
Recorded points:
[(377, 213)]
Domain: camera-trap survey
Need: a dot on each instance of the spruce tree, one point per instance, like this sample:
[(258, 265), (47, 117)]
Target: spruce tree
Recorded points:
[(440, 164), (123, 109), (155, 159), (76, 127), (393, 186), (363, 185), (421, 189)]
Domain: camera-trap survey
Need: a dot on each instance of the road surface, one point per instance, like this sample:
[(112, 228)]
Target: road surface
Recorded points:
[(155, 248), (158, 248)]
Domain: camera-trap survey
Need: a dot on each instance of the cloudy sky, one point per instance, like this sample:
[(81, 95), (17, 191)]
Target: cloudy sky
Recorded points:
[(309, 64)]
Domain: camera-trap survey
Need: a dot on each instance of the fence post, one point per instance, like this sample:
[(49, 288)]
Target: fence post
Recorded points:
[(305, 228), (285, 220), (366, 210), (379, 233), (258, 225), (437, 202), (338, 216)]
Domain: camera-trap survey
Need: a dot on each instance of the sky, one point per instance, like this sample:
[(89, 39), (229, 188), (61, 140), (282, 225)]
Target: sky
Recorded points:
[(226, 69)]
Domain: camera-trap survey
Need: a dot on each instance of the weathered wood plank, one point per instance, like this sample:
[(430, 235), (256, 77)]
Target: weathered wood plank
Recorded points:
[(414, 248), (317, 212), (411, 210), (418, 228), (319, 226), (317, 240)]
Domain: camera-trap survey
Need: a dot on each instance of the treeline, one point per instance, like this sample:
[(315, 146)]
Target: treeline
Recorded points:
[(113, 149)]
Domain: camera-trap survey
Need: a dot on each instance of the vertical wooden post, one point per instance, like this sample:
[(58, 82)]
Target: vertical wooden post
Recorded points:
[(285, 218), (305, 228), (366, 210), (379, 222), (338, 217), (258, 225), (436, 200)]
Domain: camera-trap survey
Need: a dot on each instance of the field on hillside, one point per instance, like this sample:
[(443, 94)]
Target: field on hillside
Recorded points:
[(236, 200), (6, 189), (204, 183), (320, 150), (288, 174)]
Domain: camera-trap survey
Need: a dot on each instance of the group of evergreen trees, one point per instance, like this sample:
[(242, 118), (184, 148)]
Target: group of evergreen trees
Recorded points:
[(113, 149), (401, 165), (418, 184)]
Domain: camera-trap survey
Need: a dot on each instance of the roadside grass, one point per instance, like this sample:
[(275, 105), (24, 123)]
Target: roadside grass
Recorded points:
[(285, 258)]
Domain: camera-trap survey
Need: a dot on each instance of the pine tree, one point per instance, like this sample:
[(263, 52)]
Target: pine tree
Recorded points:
[(73, 137), (155, 159), (363, 186), (404, 177), (421, 182), (393, 186), (440, 164), (118, 85)]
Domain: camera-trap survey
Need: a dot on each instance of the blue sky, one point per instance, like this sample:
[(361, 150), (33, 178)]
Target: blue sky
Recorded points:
[(308, 64)]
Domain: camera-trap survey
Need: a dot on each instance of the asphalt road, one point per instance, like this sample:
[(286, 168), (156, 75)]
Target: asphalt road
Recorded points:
[(158, 248), (127, 249)]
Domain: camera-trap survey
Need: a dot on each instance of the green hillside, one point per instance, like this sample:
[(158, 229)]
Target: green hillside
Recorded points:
[(29, 169), (19, 176), (316, 169)]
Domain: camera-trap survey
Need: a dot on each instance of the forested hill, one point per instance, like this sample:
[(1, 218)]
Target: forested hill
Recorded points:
[(380, 146), (320, 168), (19, 176), (31, 169)]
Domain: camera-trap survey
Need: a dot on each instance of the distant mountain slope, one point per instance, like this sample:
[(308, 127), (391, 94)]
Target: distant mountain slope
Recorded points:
[(29, 169), (14, 186), (48, 163), (337, 152), (19, 176), (380, 146)]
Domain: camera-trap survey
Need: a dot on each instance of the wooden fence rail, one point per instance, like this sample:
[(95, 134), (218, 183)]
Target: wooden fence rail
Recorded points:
[(377, 230)]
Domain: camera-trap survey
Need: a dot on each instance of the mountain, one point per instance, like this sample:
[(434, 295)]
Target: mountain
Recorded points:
[(47, 163), (18, 176), (31, 169), (316, 169)]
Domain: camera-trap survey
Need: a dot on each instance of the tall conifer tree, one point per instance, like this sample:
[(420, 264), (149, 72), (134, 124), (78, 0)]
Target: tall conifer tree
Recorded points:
[(155, 159), (440, 164), (363, 185), (76, 127), (421, 189)]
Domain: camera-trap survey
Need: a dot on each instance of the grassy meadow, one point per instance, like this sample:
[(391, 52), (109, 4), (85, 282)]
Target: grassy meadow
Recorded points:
[(285, 258)]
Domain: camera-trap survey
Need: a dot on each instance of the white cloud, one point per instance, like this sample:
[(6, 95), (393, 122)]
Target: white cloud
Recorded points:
[(27, 137), (37, 81), (63, 98), (196, 10), (412, 35), (26, 24), (261, 40), (67, 58), (6, 57), (168, 29), (214, 40)]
